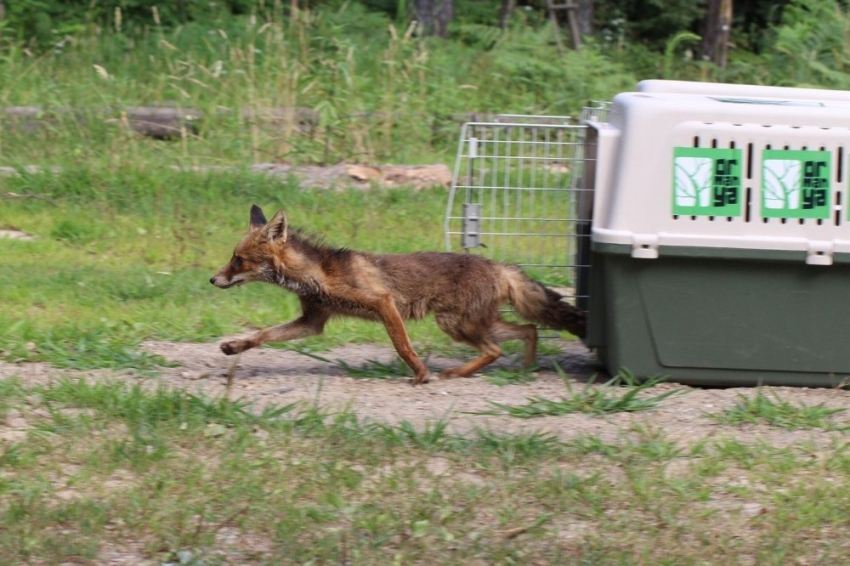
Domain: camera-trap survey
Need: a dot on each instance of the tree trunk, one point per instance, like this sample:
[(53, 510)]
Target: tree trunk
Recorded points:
[(725, 30), (505, 10), (718, 24), (709, 30), (435, 15), (585, 17)]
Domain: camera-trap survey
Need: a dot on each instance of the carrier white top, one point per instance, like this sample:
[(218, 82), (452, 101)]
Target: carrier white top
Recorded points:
[(725, 166)]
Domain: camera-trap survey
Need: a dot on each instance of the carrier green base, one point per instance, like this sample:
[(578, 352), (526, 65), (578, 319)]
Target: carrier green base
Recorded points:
[(721, 317)]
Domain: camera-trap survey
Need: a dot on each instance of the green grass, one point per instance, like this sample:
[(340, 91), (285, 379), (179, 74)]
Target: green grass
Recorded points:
[(100, 471), (105, 470), (501, 376), (622, 393), (773, 410), (371, 369), (145, 275), (132, 262), (378, 94)]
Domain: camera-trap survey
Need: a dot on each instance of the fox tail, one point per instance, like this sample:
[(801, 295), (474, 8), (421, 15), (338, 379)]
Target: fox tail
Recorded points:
[(535, 302)]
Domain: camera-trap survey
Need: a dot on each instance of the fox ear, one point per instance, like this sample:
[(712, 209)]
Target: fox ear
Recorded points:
[(278, 229), (258, 219)]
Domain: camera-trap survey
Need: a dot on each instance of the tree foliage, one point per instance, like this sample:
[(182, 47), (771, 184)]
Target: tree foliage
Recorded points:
[(813, 43), (647, 21), (45, 22), (786, 42)]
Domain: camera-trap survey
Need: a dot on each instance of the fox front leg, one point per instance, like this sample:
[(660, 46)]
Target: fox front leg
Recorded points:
[(236, 346), (309, 324), (398, 335)]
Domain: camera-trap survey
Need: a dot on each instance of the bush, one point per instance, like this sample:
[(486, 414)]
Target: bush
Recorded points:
[(48, 23)]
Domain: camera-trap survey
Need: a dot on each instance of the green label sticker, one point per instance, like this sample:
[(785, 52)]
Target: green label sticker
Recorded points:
[(795, 183), (706, 181)]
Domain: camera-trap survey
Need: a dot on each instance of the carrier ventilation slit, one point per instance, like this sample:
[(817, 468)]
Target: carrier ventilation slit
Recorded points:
[(749, 161)]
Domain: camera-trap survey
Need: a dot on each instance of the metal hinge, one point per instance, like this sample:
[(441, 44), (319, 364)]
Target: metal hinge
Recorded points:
[(471, 237)]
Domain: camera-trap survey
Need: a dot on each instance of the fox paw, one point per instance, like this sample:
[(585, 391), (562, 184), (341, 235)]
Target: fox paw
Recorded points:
[(421, 378), (234, 347)]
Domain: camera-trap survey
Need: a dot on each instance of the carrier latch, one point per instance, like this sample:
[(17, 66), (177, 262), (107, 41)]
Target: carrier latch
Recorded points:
[(645, 246), (471, 237), (819, 253)]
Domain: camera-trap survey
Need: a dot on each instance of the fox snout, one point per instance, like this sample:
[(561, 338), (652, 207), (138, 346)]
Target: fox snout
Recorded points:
[(225, 281)]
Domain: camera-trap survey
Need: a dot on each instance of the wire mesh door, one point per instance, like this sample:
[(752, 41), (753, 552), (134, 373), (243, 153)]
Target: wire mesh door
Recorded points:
[(516, 196)]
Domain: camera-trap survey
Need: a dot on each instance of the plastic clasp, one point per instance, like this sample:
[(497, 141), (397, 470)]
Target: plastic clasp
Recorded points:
[(819, 253), (645, 246)]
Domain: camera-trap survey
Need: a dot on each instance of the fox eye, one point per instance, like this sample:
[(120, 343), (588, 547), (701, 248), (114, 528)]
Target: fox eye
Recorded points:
[(237, 261)]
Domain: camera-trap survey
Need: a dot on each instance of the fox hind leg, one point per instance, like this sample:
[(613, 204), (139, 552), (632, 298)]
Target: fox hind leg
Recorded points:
[(476, 333), (490, 352), (487, 343), (502, 331)]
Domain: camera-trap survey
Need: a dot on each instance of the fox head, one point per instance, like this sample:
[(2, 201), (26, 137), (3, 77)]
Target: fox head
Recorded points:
[(256, 258)]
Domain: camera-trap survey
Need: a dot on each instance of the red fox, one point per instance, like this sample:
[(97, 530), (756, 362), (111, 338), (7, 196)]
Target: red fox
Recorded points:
[(464, 291)]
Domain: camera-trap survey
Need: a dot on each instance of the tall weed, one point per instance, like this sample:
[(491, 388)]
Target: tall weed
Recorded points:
[(813, 44)]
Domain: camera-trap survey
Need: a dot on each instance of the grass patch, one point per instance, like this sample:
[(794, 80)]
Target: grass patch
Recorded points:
[(397, 369), (376, 93), (146, 276), (139, 407), (109, 470), (502, 376), (620, 394), (773, 410), (371, 369), (432, 437), (91, 348)]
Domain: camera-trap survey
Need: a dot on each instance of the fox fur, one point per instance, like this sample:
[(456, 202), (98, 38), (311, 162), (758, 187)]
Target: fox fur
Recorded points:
[(463, 291)]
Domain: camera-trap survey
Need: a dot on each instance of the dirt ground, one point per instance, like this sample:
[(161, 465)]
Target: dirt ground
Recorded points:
[(271, 376)]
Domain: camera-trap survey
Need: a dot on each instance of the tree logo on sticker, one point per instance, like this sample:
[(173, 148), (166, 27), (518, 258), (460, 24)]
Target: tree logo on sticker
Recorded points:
[(795, 183), (706, 181)]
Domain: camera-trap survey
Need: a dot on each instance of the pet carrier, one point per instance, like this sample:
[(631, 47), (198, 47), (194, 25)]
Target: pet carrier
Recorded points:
[(703, 226)]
